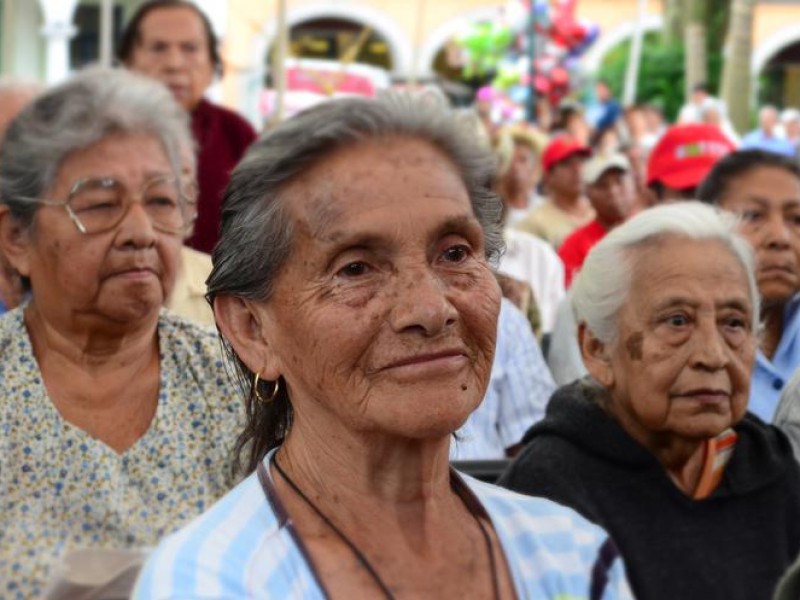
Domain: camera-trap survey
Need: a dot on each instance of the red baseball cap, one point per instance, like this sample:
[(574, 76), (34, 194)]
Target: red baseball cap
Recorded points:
[(560, 148), (685, 154)]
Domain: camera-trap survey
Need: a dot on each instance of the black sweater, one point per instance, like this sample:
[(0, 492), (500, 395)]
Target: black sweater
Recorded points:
[(733, 545)]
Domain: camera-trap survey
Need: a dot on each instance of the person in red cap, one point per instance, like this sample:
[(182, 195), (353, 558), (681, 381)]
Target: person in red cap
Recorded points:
[(566, 208), (610, 188), (682, 158)]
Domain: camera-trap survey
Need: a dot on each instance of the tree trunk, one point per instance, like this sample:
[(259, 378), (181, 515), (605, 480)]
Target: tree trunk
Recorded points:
[(736, 70), (694, 40), (673, 21)]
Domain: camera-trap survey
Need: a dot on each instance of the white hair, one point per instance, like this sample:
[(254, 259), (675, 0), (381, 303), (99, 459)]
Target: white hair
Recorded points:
[(605, 279)]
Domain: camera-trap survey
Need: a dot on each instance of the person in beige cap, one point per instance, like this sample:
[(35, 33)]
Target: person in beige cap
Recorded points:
[(610, 189)]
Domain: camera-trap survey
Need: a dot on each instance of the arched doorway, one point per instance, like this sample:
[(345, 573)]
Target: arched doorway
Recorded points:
[(779, 80), (339, 39), (328, 56)]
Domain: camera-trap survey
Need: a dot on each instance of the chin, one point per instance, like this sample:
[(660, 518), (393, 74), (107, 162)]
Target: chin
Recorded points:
[(773, 292), (426, 423), (707, 427), (133, 311)]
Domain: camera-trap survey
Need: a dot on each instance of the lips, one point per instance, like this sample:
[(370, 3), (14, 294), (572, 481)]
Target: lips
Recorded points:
[(706, 395), (133, 271), (777, 270), (421, 359)]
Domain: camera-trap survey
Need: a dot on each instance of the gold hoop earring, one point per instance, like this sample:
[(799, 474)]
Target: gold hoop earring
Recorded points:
[(272, 396)]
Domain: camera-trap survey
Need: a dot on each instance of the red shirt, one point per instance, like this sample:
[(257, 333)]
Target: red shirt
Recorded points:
[(222, 137), (576, 246)]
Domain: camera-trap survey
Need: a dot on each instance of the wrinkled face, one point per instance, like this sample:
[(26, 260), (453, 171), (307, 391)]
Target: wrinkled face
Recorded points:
[(122, 275), (768, 201), (680, 365), (384, 318), (612, 196), (564, 178), (173, 48)]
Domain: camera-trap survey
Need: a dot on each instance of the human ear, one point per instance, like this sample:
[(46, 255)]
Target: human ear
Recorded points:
[(14, 242), (241, 322), (596, 356)]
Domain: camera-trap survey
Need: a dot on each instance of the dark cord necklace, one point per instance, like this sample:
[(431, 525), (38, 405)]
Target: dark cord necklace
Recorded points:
[(362, 559)]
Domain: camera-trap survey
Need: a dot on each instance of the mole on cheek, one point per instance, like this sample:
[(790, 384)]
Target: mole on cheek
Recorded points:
[(634, 345)]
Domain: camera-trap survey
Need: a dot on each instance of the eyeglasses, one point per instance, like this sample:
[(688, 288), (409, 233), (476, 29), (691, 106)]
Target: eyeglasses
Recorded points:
[(99, 205)]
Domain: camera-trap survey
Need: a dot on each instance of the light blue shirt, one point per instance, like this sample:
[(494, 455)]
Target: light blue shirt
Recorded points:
[(770, 376), (246, 547), (519, 388), (757, 139)]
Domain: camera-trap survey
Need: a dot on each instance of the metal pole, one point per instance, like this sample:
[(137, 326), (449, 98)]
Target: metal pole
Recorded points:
[(530, 105), (7, 36), (635, 57), (279, 63), (418, 25), (106, 32)]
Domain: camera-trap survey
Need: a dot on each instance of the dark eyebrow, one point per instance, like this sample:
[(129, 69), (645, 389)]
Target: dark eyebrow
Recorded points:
[(459, 224), (338, 240)]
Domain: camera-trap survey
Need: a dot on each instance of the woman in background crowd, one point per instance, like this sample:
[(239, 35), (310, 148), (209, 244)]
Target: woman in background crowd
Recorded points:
[(117, 422), (763, 189), (173, 42)]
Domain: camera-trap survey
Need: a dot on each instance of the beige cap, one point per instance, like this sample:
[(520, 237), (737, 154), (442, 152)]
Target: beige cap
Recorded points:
[(594, 168)]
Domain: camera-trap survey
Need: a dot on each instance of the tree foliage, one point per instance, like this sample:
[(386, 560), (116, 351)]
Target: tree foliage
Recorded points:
[(662, 77)]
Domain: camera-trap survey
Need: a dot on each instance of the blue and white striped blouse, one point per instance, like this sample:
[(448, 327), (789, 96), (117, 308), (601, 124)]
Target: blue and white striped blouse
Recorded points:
[(244, 547)]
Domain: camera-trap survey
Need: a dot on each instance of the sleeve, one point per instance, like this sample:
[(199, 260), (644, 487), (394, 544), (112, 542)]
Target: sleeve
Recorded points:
[(564, 357), (525, 385), (787, 417)]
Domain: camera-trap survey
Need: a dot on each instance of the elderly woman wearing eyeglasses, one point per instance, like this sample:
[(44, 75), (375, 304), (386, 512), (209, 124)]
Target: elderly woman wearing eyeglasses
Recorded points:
[(116, 421)]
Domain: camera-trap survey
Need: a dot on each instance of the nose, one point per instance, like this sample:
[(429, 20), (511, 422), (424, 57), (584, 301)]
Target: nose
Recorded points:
[(136, 229), (421, 304), (710, 350), (173, 58), (776, 232)]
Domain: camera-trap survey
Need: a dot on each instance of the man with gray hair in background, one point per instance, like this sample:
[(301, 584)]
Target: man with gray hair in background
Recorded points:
[(14, 95)]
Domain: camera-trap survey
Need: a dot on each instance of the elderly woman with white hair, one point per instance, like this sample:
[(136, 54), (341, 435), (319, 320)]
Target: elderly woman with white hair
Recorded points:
[(656, 445), (116, 421)]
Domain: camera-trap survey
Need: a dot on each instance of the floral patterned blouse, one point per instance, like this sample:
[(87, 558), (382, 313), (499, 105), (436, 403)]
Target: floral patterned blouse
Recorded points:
[(61, 489)]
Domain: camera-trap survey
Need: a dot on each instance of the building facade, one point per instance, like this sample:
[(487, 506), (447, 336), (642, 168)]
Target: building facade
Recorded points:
[(47, 39)]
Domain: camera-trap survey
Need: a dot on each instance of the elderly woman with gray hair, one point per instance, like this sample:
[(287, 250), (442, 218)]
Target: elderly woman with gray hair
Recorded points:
[(656, 446), (116, 423), (353, 289)]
